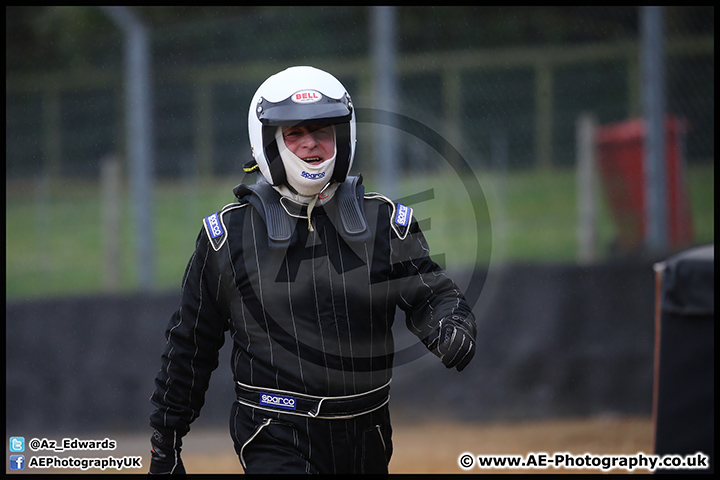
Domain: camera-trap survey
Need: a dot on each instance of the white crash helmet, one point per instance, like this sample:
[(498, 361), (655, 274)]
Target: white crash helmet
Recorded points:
[(300, 96)]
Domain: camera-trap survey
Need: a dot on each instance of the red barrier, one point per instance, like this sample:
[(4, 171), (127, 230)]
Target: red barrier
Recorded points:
[(621, 164)]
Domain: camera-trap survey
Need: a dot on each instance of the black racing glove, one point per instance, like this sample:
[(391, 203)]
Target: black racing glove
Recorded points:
[(454, 341), (165, 454)]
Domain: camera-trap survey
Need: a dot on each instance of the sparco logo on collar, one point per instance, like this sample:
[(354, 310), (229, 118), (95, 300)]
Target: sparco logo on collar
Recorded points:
[(213, 224), (312, 176), (306, 96), (273, 400)]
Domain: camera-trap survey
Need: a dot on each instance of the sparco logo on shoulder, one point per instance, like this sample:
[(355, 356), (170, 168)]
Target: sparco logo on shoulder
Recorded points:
[(306, 96), (213, 224), (402, 215)]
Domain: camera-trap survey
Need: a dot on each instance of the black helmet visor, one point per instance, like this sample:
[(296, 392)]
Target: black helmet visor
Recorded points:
[(323, 111)]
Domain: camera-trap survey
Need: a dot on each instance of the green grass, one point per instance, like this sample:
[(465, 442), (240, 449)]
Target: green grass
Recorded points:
[(54, 237)]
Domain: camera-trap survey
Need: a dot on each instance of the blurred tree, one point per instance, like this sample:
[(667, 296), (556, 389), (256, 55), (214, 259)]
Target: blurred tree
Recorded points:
[(41, 38), (47, 37)]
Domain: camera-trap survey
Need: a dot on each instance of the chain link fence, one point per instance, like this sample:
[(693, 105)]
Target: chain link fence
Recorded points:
[(508, 103)]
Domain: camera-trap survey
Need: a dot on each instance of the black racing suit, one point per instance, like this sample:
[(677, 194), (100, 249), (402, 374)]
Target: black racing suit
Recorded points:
[(309, 318)]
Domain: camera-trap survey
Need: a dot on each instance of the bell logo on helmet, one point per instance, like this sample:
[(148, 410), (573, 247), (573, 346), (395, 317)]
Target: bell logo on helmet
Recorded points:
[(306, 96)]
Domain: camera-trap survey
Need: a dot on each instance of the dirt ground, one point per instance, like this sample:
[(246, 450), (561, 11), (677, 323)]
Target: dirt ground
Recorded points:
[(429, 448), (436, 447)]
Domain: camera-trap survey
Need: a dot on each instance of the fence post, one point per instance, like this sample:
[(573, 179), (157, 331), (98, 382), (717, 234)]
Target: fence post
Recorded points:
[(384, 54), (544, 115), (653, 89), (586, 195), (111, 206), (139, 137)]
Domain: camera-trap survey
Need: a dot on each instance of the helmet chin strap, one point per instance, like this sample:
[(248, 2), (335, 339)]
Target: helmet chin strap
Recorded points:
[(305, 181)]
